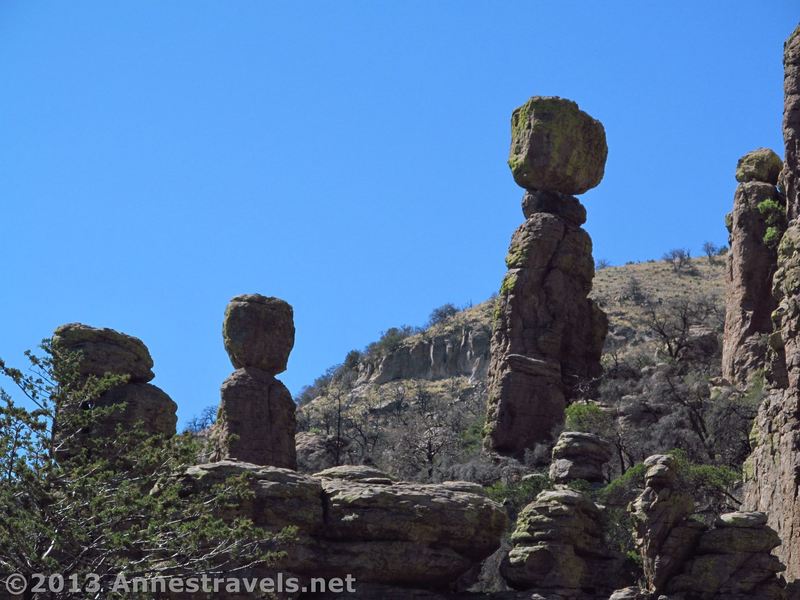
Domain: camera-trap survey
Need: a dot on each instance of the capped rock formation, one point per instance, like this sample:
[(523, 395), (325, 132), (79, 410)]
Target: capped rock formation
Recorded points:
[(755, 225), (357, 520), (256, 418), (109, 352), (548, 335)]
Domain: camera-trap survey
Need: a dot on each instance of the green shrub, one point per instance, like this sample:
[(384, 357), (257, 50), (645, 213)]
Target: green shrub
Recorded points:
[(519, 493), (588, 418)]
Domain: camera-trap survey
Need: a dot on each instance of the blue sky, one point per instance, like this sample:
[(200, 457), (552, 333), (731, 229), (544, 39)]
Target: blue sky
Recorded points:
[(158, 158)]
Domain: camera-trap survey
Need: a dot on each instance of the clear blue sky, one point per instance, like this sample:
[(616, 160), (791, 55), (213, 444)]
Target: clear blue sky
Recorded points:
[(158, 158)]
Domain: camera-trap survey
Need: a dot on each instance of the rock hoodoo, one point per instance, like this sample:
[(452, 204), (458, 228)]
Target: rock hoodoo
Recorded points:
[(755, 226), (105, 351), (548, 335), (578, 455), (256, 419)]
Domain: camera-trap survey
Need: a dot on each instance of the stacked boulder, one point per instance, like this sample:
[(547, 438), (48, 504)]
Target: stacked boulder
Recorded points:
[(755, 226), (558, 548), (548, 335), (256, 419), (686, 559), (579, 455), (109, 352), (357, 520)]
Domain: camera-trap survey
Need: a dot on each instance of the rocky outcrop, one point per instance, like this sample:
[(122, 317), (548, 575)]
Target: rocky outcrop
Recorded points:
[(109, 352), (462, 351), (772, 473), (684, 558), (548, 336), (357, 520), (790, 176), (558, 548), (578, 455), (755, 226), (256, 419)]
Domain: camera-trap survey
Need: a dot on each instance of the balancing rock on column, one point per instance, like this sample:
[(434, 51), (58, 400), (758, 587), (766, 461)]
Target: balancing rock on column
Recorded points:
[(548, 335), (256, 421)]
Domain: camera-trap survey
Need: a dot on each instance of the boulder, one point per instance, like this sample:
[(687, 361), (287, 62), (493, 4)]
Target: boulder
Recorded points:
[(259, 332), (315, 451), (555, 146), (578, 455), (759, 165), (558, 547), (141, 403), (256, 420), (568, 208), (105, 351)]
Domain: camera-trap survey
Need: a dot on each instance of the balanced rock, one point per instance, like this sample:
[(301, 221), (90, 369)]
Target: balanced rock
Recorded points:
[(759, 165), (259, 332), (568, 208), (757, 221), (105, 351), (558, 548), (579, 455), (256, 420), (555, 146)]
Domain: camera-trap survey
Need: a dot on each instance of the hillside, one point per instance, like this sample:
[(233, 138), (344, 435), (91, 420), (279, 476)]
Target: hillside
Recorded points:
[(413, 402)]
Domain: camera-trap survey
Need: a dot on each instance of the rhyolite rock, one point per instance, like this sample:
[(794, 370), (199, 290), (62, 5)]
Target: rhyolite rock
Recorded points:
[(548, 335), (790, 176), (759, 165), (140, 403), (752, 259), (579, 455), (105, 351), (556, 146), (558, 548), (357, 520), (256, 420), (259, 332)]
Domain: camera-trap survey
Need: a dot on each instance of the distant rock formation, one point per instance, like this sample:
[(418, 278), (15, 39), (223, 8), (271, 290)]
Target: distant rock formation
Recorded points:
[(578, 455), (684, 558), (356, 520), (772, 473), (105, 351), (755, 226), (548, 335), (256, 419)]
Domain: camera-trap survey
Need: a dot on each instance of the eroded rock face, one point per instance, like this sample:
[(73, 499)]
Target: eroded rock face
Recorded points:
[(790, 177), (259, 332), (256, 420), (558, 548), (548, 335), (578, 455), (357, 520), (556, 146), (759, 165), (751, 264), (106, 351)]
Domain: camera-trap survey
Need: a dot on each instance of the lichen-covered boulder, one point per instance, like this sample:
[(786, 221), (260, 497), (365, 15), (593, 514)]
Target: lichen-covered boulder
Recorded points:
[(556, 146), (579, 455), (139, 403), (568, 208), (105, 351), (759, 165), (259, 332)]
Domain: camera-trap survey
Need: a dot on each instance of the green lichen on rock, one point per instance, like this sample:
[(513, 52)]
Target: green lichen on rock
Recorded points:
[(774, 215), (759, 165), (509, 283), (729, 222), (517, 256), (555, 146)]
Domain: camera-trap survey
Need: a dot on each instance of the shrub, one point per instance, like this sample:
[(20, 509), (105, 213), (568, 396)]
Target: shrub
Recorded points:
[(442, 314)]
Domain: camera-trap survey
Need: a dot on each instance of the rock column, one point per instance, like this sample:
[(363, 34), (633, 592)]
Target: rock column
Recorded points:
[(548, 335), (256, 420), (755, 226)]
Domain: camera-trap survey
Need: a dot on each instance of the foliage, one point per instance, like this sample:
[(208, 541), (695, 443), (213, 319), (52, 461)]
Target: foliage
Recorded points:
[(589, 418), (601, 263), (680, 259), (442, 314), (390, 340), (774, 215), (76, 502), (518, 494)]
